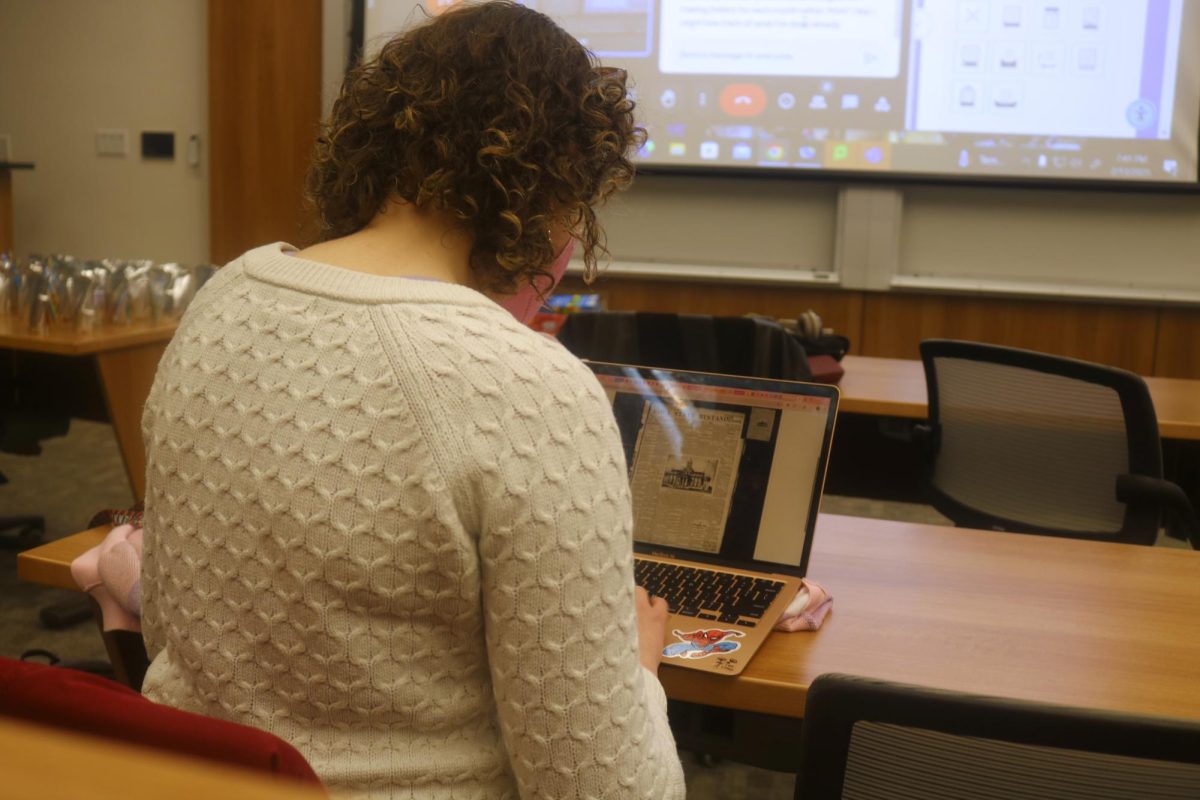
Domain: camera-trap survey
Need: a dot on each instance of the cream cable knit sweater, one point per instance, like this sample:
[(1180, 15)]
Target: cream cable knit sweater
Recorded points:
[(391, 525)]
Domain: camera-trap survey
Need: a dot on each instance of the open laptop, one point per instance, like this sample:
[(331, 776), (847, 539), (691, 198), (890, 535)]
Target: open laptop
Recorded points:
[(726, 474)]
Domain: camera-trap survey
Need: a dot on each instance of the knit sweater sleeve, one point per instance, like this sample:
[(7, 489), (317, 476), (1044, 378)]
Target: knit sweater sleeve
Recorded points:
[(530, 428)]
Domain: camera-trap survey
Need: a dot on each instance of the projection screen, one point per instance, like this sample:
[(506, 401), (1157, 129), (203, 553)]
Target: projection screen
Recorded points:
[(1032, 90)]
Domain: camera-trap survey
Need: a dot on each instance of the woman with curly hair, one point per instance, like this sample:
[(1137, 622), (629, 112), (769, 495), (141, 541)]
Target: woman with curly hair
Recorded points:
[(385, 520)]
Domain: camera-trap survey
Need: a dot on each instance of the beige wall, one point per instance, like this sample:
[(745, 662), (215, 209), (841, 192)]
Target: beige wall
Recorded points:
[(335, 47), (69, 67), (726, 224)]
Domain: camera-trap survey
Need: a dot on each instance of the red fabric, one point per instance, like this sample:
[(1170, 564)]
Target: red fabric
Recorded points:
[(825, 369), (78, 701)]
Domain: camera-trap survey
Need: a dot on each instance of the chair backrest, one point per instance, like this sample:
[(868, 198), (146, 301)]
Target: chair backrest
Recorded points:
[(866, 739), (1033, 442), (750, 346), (78, 701)]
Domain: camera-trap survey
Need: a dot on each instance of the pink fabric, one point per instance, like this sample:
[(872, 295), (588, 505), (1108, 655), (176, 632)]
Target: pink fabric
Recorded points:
[(525, 303), (111, 573), (807, 611)]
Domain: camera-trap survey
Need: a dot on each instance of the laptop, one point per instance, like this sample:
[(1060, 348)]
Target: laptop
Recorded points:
[(726, 475)]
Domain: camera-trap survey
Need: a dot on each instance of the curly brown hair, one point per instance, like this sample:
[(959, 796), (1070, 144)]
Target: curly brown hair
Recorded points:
[(493, 114)]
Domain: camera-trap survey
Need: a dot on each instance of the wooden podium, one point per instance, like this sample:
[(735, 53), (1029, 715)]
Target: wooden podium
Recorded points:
[(6, 203)]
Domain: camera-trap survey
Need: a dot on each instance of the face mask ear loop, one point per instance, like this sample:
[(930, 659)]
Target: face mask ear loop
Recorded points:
[(525, 303)]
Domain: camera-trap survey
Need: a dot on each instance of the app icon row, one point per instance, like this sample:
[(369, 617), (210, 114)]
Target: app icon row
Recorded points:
[(711, 150), (750, 100)]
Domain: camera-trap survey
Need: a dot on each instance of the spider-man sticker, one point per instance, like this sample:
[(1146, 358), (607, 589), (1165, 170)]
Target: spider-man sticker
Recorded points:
[(703, 643)]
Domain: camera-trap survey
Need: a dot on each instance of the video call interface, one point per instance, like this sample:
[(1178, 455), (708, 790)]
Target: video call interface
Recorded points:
[(1060, 89), (720, 470)]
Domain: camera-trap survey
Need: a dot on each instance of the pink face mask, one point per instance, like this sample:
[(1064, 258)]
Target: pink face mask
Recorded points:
[(525, 303)]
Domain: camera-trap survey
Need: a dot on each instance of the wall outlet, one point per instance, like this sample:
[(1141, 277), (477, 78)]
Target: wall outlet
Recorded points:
[(5, 148), (112, 142)]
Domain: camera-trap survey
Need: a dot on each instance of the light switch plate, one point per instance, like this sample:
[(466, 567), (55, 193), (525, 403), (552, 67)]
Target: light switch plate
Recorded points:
[(112, 142)]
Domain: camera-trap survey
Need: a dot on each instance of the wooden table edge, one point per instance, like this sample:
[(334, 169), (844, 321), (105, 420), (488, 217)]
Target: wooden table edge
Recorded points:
[(1180, 431), (881, 408), (108, 341), (50, 564), (48, 761), (756, 695)]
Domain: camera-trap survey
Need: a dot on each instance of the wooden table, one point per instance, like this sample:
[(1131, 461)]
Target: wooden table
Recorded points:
[(895, 387), (46, 763), (1081, 623), (50, 564), (125, 356)]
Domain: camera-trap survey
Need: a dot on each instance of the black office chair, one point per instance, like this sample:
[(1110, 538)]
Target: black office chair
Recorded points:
[(750, 346), (867, 739), (1029, 442)]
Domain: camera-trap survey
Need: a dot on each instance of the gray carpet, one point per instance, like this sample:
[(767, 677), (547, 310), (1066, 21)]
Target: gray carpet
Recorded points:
[(73, 478)]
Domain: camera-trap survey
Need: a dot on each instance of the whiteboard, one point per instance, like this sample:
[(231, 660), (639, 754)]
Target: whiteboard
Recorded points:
[(719, 227), (1061, 242)]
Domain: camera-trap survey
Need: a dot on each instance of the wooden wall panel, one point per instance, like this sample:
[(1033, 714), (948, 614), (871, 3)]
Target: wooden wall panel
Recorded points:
[(1143, 339), (264, 106), (1178, 352), (1122, 336), (840, 310)]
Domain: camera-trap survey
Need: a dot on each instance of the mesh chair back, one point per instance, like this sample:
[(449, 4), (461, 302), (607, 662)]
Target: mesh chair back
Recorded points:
[(1026, 441), (897, 762), (866, 739)]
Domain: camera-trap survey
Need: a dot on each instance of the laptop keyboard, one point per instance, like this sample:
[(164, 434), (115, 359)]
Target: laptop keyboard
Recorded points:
[(706, 593)]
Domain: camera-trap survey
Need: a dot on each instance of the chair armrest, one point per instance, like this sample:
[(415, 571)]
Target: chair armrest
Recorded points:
[(1143, 489)]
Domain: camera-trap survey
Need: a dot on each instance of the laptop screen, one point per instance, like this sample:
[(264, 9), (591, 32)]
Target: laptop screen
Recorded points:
[(722, 469)]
